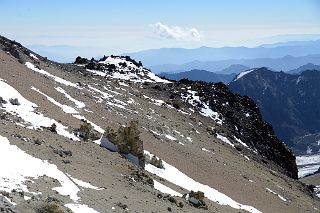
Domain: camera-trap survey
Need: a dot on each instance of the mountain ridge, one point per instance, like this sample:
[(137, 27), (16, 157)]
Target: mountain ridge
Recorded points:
[(285, 63), (156, 57), (200, 75), (294, 98), (188, 126)]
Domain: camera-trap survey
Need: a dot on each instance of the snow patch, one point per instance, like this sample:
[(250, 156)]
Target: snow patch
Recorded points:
[(67, 109), (57, 79), (24, 166), (34, 56), (307, 164), (178, 178), (225, 140), (205, 110), (282, 198), (95, 126), (240, 75), (84, 184), (26, 110), (164, 189), (79, 104), (170, 137)]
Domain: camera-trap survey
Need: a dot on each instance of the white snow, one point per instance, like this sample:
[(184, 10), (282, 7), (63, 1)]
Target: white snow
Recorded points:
[(240, 75), (224, 139), (170, 137), (104, 142), (26, 110), (246, 157), (298, 80), (164, 189), (194, 99), (79, 104), (57, 79), (97, 72), (206, 150), (26, 197), (67, 109), (14, 174), (178, 178), (154, 132), (123, 84), (308, 159), (95, 126), (307, 170), (240, 141), (33, 56), (80, 208), (155, 101), (307, 164), (110, 100), (282, 198), (84, 184), (70, 110), (156, 78), (317, 190), (25, 167), (104, 94), (129, 72)]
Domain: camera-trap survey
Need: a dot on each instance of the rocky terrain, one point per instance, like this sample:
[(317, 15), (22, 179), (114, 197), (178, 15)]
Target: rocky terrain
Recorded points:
[(108, 135), (294, 112)]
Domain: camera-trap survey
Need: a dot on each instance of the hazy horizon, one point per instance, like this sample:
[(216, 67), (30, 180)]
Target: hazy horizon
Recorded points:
[(94, 28)]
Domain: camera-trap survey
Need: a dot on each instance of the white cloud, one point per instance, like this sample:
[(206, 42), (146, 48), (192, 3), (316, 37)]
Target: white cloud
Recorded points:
[(175, 32)]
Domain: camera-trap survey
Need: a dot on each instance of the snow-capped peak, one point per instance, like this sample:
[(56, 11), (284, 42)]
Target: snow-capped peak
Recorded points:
[(120, 67)]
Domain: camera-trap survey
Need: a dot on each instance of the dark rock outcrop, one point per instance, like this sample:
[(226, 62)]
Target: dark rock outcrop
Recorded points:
[(80, 60), (289, 102), (241, 119)]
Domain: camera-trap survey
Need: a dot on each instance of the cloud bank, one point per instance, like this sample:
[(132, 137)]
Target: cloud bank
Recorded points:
[(175, 32)]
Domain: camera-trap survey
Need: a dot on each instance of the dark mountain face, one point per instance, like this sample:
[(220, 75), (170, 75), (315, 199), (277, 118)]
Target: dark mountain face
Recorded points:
[(289, 102), (241, 119), (200, 75)]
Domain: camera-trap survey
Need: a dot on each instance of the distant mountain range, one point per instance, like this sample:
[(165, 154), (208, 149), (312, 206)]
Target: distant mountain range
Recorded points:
[(200, 75), (226, 75), (67, 53), (284, 56), (285, 63), (290, 102), (308, 66), (161, 56)]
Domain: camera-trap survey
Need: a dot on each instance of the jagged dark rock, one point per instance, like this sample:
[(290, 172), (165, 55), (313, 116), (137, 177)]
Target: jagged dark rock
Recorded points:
[(252, 129), (80, 60), (258, 134)]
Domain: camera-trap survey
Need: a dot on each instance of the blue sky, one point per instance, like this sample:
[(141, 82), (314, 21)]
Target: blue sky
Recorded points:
[(125, 26)]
